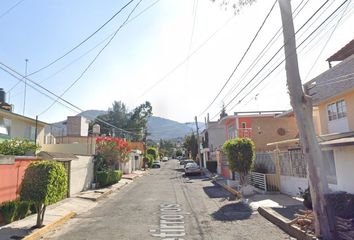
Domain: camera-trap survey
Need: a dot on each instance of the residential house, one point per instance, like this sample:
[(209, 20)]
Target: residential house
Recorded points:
[(333, 100), (13, 125), (262, 127), (212, 138)]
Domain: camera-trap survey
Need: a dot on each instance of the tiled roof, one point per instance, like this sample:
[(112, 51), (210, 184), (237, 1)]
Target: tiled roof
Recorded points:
[(336, 80), (344, 53)]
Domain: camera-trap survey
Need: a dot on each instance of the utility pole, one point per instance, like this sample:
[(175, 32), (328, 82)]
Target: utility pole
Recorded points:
[(199, 155), (302, 106), (24, 96)]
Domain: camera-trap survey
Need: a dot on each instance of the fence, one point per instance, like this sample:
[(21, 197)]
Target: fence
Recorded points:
[(265, 182), (292, 163)]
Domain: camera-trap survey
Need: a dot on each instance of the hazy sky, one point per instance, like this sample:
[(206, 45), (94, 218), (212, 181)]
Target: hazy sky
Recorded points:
[(147, 60)]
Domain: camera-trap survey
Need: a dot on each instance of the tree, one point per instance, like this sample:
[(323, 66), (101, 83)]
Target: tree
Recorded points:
[(191, 145), (302, 106), (44, 183), (179, 153), (132, 121), (240, 155), (152, 151)]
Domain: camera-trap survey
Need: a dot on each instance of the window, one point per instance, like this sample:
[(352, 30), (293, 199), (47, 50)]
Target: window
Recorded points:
[(336, 110), (5, 127), (30, 132), (243, 124), (231, 132)]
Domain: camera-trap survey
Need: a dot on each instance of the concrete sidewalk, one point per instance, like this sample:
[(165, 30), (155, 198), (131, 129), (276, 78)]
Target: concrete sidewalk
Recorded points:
[(60, 212)]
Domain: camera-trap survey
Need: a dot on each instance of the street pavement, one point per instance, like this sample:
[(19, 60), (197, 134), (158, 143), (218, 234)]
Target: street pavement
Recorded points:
[(167, 205)]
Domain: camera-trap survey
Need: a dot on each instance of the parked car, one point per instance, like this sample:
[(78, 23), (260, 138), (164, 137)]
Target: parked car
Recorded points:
[(156, 164), (185, 162), (192, 168), (165, 159)]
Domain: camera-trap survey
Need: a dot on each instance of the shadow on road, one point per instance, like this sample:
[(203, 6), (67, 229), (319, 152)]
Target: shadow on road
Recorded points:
[(216, 192), (232, 212)]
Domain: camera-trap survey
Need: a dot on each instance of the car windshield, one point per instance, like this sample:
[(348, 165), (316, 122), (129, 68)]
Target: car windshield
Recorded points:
[(191, 165)]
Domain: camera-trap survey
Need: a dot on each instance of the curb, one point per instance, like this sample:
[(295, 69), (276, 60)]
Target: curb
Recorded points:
[(39, 232), (284, 224), (229, 189)]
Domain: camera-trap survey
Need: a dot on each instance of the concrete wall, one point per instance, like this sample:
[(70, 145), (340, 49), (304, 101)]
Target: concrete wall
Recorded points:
[(75, 148), (216, 134), (349, 103), (11, 175), (344, 160), (290, 185), (81, 174)]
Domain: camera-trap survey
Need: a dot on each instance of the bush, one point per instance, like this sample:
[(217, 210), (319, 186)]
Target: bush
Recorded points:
[(107, 178), (44, 183), (18, 147), (8, 211), (306, 195), (152, 152), (14, 210), (212, 166)]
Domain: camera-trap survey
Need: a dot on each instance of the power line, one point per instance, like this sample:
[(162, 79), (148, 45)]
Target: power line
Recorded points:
[(263, 52), (184, 60), (240, 61), (90, 50), (94, 59), (10, 8), (284, 58), (287, 56), (50, 92), (82, 42)]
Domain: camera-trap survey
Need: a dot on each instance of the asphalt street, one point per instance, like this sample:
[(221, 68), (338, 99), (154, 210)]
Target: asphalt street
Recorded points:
[(167, 205)]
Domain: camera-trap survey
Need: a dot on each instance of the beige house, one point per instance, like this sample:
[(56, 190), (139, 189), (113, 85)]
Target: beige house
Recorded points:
[(333, 114), (13, 125)]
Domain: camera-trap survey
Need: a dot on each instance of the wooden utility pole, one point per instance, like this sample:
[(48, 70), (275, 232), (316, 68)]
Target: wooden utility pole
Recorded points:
[(302, 106), (199, 155)]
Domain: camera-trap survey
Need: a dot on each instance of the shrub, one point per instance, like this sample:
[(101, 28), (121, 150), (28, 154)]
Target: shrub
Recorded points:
[(212, 166), (107, 178), (306, 195), (44, 183), (8, 211), (18, 147), (240, 155), (152, 152), (23, 209)]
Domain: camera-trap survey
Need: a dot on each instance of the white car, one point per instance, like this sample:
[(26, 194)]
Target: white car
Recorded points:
[(165, 159), (192, 168)]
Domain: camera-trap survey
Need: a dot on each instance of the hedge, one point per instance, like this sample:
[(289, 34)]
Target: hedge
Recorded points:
[(109, 177), (14, 210)]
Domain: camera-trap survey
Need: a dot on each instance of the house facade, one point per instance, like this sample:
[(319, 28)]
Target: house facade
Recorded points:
[(13, 125), (262, 127)]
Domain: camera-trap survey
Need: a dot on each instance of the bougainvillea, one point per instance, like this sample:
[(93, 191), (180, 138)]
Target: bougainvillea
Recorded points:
[(112, 150)]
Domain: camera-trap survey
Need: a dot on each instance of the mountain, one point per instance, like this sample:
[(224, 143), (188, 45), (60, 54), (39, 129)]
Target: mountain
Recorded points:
[(158, 127)]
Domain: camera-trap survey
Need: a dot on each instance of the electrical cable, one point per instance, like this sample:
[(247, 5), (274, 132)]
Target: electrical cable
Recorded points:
[(47, 90), (94, 59), (241, 60), (284, 58), (82, 42), (10, 8)]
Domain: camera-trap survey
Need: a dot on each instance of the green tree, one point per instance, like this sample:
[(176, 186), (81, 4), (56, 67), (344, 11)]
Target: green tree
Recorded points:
[(179, 153), (44, 183), (240, 155), (191, 145), (133, 121), (152, 152)]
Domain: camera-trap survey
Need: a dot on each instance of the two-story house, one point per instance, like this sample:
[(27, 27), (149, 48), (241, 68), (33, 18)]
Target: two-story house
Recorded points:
[(262, 127), (333, 95)]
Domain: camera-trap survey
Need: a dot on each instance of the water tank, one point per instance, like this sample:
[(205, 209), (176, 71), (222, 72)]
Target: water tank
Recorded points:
[(96, 129), (2, 95)]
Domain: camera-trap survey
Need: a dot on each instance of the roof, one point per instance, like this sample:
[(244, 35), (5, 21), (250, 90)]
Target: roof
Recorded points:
[(252, 114), (338, 142), (22, 117), (343, 53), (333, 82)]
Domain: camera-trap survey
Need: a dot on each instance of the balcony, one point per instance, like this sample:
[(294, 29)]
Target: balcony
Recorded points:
[(244, 132)]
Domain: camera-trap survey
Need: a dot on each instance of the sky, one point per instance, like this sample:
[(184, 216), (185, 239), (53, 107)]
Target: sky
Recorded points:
[(177, 54)]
